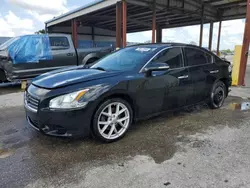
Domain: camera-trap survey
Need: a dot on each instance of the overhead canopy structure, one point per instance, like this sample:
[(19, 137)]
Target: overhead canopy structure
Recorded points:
[(169, 13), (127, 16)]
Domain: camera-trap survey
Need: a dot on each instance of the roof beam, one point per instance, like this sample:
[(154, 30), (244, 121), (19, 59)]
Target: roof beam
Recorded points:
[(113, 18), (232, 4), (213, 1), (236, 11), (178, 8)]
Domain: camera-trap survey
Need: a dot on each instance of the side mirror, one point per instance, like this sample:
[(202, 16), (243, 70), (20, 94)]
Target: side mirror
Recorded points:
[(155, 67)]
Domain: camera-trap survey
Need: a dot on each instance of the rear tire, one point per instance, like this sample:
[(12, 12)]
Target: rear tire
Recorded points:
[(217, 95), (112, 120)]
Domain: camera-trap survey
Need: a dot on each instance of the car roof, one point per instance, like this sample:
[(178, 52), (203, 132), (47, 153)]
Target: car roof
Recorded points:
[(160, 46), (163, 45)]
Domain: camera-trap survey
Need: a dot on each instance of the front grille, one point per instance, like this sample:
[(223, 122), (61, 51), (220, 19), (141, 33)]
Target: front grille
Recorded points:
[(31, 101)]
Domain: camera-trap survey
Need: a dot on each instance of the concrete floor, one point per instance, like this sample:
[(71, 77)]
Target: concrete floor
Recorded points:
[(195, 147)]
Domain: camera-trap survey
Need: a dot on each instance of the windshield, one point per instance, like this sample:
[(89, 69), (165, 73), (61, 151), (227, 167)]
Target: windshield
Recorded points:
[(126, 59), (5, 45)]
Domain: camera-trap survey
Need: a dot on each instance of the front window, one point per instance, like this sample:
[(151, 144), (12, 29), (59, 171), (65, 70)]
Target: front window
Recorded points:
[(172, 57), (130, 58)]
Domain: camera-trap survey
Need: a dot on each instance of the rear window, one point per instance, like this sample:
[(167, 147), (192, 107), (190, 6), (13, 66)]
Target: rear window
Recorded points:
[(59, 42)]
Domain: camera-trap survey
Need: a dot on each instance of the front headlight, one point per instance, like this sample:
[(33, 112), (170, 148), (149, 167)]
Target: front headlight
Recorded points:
[(69, 101)]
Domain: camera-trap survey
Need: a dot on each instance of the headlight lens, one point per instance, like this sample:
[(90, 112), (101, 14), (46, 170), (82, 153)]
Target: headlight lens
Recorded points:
[(69, 101)]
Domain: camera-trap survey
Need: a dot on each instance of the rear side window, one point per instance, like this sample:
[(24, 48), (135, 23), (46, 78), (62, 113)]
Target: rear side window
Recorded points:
[(195, 57), (59, 42), (171, 56)]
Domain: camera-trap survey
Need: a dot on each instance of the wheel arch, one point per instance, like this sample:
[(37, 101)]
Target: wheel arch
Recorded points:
[(90, 56)]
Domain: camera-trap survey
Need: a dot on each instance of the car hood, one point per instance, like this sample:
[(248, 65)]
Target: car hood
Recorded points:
[(69, 76)]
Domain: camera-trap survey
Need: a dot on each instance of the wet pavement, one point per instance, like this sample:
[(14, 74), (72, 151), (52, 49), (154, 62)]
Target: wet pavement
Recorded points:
[(194, 147)]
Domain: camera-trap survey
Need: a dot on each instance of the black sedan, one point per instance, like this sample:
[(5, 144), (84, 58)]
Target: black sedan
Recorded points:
[(130, 84)]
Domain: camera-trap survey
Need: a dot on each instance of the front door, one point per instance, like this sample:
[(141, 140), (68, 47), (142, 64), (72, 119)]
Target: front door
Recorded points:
[(176, 81)]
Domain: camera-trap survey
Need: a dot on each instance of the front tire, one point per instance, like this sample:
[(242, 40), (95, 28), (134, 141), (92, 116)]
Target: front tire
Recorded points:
[(217, 95), (112, 120)]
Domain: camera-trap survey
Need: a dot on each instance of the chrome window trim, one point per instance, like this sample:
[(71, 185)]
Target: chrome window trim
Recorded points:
[(183, 64)]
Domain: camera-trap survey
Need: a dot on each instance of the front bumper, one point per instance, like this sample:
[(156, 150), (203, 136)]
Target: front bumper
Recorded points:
[(72, 123)]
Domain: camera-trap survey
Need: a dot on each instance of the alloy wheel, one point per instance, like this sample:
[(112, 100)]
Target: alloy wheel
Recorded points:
[(113, 120)]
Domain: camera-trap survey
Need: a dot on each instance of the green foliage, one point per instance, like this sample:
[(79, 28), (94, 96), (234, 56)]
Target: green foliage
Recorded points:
[(42, 31)]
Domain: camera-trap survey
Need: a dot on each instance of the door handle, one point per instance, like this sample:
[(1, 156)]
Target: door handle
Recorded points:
[(214, 71), (70, 54), (183, 77)]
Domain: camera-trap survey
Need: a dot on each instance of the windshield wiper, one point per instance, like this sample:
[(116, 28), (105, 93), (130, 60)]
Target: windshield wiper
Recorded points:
[(99, 68)]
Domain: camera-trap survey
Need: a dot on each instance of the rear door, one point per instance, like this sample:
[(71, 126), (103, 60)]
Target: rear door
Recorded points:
[(212, 71), (196, 60)]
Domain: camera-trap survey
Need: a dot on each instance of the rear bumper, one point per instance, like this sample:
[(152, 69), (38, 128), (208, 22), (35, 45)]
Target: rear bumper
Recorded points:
[(74, 123)]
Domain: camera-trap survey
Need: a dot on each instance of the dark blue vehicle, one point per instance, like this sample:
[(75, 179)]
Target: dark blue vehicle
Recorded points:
[(130, 84)]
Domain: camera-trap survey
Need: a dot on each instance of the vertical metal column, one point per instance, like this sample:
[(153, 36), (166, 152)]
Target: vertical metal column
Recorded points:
[(153, 22), (159, 35), (210, 35), (202, 22), (245, 47), (124, 23), (46, 28), (218, 41), (74, 32), (118, 25)]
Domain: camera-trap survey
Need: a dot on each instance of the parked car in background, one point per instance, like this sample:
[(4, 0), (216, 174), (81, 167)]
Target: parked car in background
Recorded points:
[(130, 84), (63, 55)]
